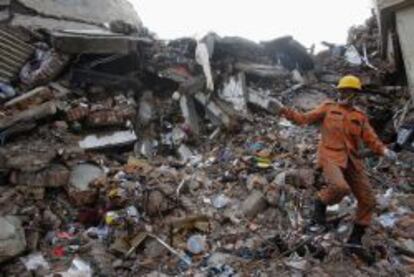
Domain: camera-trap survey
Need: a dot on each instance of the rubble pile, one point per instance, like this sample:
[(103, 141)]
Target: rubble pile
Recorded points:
[(126, 155)]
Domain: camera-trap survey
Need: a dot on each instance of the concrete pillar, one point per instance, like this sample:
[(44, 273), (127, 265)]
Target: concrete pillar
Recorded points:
[(405, 23)]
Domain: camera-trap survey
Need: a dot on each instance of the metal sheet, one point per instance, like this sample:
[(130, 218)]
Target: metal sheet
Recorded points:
[(14, 53)]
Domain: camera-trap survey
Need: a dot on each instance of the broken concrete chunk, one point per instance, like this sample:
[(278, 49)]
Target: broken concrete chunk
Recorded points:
[(256, 181), (122, 27), (108, 118), (239, 48), (254, 204), (146, 107), (120, 138), (217, 259), (32, 192), (405, 225), (12, 238), (261, 70), (54, 176), (156, 203), (291, 54), (300, 178), (185, 153), (178, 135), (35, 96), (192, 85), (330, 78), (190, 113), (77, 113), (94, 42), (5, 15), (81, 176), (36, 113), (273, 193), (234, 92), (102, 260), (263, 101), (155, 274), (309, 100), (153, 249), (216, 114), (31, 157), (406, 246), (146, 148)]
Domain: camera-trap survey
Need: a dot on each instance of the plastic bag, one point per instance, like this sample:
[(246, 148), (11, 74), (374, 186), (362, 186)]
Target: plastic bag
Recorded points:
[(352, 56), (6, 91), (35, 261), (79, 268)]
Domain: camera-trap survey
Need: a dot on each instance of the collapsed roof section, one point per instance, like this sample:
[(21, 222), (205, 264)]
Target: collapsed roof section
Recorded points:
[(69, 14), (72, 26)]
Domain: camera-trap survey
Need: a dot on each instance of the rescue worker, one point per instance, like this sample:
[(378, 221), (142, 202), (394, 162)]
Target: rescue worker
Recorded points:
[(343, 128)]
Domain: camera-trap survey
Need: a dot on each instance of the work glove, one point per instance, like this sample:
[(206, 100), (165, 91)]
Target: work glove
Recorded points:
[(276, 106), (390, 155)]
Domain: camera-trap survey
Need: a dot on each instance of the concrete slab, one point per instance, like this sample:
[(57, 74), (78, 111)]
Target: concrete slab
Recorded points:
[(12, 238), (262, 100), (97, 42), (190, 114), (38, 22), (307, 101), (87, 11), (234, 91), (214, 111), (119, 138)]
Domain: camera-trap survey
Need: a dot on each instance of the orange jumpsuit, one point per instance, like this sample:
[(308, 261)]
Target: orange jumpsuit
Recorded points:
[(343, 129)]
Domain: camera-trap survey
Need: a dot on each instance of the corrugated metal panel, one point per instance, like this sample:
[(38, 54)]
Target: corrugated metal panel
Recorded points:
[(14, 53)]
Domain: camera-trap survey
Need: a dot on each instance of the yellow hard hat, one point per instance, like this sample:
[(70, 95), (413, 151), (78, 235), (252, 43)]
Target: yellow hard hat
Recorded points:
[(350, 81)]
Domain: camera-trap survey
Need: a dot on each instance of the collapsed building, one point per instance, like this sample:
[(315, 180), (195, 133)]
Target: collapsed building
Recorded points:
[(127, 155)]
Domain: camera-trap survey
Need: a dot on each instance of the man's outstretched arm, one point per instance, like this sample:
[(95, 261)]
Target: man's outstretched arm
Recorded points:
[(313, 116)]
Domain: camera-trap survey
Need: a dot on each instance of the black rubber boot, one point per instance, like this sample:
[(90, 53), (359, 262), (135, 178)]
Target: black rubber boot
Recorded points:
[(319, 212), (356, 236), (355, 245), (318, 222)]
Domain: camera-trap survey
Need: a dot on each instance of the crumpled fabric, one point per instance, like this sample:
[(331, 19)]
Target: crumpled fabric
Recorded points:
[(45, 66)]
